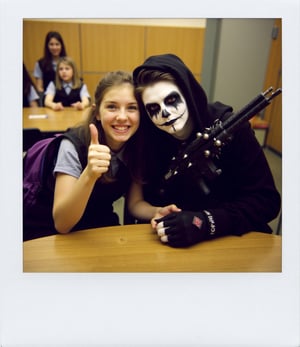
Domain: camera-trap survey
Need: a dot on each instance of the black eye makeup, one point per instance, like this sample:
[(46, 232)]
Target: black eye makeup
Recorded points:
[(153, 109), (173, 99)]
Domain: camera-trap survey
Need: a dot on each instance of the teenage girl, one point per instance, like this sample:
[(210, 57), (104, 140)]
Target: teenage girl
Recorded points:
[(44, 70), (83, 191), (68, 89)]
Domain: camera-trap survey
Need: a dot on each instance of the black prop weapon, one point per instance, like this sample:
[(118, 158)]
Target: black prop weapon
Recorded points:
[(199, 154)]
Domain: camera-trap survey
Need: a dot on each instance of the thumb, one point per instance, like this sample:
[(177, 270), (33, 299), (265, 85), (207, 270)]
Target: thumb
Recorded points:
[(174, 208), (94, 134)]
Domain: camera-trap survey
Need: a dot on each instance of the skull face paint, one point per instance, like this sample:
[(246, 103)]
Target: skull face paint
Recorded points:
[(166, 107)]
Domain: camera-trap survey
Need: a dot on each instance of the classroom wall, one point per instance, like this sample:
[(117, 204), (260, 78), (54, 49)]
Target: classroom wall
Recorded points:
[(242, 59), (101, 46), (230, 57)]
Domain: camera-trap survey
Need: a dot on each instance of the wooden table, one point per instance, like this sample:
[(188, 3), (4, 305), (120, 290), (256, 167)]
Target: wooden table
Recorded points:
[(136, 248), (56, 121)]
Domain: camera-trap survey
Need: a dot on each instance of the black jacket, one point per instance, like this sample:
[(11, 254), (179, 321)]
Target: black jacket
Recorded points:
[(244, 197)]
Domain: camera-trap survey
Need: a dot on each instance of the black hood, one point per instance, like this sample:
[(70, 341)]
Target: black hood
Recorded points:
[(191, 89)]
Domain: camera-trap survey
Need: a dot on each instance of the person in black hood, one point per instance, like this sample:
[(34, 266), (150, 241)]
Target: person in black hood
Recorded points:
[(174, 108)]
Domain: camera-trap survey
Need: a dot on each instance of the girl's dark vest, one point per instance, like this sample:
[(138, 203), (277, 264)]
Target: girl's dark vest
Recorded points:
[(67, 99), (99, 210), (48, 73)]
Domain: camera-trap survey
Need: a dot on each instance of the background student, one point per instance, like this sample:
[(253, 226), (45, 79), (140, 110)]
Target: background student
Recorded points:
[(45, 67), (30, 95), (68, 89)]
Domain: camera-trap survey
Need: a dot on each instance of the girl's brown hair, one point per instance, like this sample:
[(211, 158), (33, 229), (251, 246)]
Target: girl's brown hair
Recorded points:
[(148, 77)]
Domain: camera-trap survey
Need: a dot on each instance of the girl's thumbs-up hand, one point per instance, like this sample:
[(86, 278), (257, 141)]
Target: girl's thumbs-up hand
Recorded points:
[(98, 155)]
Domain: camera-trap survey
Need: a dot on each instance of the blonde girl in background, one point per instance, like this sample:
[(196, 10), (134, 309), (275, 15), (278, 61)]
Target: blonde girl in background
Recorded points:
[(68, 89)]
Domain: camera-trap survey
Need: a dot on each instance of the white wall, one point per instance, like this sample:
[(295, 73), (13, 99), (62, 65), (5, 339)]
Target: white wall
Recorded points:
[(241, 60)]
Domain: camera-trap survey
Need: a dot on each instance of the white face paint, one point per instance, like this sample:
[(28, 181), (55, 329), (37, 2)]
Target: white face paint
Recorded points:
[(167, 108)]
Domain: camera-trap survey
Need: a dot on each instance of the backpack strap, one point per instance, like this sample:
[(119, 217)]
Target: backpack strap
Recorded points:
[(50, 156), (79, 145)]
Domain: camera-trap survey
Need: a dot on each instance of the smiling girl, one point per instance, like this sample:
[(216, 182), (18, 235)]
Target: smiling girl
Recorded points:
[(44, 69), (110, 144)]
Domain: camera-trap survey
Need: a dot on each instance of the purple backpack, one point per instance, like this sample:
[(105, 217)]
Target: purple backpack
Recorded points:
[(37, 163), (39, 181)]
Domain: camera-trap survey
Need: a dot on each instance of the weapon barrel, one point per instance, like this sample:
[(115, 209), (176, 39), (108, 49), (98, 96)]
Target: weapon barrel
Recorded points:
[(247, 108), (249, 111), (219, 134)]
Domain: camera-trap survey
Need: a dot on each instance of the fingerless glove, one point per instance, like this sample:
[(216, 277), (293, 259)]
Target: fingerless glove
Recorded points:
[(186, 228)]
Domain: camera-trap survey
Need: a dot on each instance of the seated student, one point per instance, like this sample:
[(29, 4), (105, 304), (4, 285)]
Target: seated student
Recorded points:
[(30, 95), (174, 109), (68, 89), (45, 67), (81, 194)]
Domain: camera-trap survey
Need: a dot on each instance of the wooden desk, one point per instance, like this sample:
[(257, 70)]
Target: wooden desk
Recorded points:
[(135, 248), (56, 121)]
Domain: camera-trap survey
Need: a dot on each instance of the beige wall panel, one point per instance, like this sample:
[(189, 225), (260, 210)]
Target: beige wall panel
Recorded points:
[(274, 67), (274, 139), (273, 113), (111, 47), (34, 33), (198, 77), (99, 48), (187, 43), (92, 80)]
